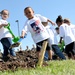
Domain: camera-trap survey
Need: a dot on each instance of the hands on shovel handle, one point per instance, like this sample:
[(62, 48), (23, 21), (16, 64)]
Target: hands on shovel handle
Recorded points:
[(15, 39)]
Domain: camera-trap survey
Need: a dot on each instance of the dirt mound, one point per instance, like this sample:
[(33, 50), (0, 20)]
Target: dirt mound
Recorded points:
[(23, 59)]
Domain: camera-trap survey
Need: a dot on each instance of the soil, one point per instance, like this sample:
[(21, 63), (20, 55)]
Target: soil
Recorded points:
[(24, 59)]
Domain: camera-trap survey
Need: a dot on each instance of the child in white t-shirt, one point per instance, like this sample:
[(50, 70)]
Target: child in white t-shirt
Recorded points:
[(66, 20), (67, 35), (5, 36), (37, 30), (62, 45), (53, 41)]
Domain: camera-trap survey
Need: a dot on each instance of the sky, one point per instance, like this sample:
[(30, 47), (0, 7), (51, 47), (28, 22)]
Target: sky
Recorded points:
[(48, 8)]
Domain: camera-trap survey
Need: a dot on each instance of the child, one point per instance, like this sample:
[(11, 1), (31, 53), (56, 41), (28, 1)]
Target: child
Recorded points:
[(5, 36), (62, 45), (67, 35), (53, 41), (66, 20), (37, 30), (57, 30)]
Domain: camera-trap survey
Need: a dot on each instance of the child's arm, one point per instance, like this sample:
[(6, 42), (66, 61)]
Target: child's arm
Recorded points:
[(51, 22), (23, 34), (3, 25), (46, 23)]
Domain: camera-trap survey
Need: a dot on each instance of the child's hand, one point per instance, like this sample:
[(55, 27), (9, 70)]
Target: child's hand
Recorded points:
[(4, 24), (59, 42), (21, 36), (12, 36), (52, 23)]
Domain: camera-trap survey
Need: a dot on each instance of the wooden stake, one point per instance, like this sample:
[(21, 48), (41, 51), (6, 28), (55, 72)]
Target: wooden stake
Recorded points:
[(43, 49)]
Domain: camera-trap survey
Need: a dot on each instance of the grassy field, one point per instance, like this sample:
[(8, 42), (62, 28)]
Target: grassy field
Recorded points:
[(66, 67)]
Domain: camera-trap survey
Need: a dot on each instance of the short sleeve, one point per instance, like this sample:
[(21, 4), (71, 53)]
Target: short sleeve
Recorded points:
[(42, 18), (25, 28), (3, 22)]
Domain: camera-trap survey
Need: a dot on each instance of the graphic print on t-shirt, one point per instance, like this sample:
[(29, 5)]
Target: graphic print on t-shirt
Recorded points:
[(35, 26)]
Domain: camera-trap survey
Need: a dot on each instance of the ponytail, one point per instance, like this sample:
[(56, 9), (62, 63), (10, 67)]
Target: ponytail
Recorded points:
[(59, 19)]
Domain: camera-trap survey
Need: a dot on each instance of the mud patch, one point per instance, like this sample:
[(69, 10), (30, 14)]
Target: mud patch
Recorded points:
[(23, 59)]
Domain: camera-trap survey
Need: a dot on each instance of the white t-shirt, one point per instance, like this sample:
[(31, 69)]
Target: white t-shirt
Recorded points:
[(73, 29), (66, 33), (52, 33), (3, 31), (35, 27)]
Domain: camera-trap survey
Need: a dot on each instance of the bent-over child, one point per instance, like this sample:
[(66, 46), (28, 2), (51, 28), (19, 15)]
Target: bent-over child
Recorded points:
[(53, 41), (67, 35)]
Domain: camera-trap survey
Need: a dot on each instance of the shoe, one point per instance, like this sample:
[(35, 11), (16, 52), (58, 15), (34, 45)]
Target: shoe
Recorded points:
[(49, 59), (15, 45), (5, 58)]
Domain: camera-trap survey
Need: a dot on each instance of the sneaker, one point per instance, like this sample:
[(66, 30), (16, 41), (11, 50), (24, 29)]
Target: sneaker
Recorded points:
[(49, 59), (15, 45), (5, 58)]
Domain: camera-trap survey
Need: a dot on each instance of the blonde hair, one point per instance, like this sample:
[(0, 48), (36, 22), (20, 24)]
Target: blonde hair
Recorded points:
[(66, 20)]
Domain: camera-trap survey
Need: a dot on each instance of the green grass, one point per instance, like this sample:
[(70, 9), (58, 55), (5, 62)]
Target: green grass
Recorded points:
[(66, 67)]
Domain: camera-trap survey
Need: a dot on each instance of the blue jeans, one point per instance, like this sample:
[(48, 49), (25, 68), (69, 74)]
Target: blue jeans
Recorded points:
[(7, 42), (57, 51)]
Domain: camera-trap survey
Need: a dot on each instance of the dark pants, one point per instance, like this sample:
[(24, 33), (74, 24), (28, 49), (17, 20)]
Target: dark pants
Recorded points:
[(69, 49), (39, 45), (7, 42), (57, 51)]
